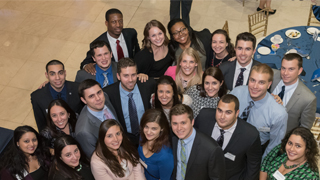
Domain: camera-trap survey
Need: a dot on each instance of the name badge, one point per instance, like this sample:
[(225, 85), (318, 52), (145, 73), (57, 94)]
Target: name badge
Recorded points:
[(278, 176), (230, 156), (143, 163), (264, 129)]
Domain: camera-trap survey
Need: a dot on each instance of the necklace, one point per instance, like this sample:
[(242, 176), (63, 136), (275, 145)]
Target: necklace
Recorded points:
[(80, 167), (289, 167)]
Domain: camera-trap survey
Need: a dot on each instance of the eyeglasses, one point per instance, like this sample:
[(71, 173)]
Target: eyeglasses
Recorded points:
[(182, 31)]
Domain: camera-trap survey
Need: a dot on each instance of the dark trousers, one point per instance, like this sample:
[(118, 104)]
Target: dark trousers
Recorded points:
[(185, 8)]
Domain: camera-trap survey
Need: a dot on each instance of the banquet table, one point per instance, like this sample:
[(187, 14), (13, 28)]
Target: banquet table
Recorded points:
[(306, 45)]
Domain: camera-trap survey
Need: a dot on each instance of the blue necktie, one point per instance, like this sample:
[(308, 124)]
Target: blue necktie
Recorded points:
[(183, 159), (133, 115), (240, 77), (281, 94), (106, 81), (246, 112)]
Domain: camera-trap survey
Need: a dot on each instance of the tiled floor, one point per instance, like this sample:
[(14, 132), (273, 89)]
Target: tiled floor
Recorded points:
[(34, 32)]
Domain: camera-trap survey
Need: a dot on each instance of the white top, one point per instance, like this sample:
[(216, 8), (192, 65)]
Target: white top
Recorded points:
[(245, 73), (113, 45), (227, 135), (288, 91)]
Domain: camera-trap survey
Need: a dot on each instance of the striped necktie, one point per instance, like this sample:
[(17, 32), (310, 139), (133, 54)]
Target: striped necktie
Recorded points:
[(183, 159)]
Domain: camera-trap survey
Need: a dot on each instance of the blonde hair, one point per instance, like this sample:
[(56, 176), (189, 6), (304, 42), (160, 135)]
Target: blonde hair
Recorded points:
[(196, 79)]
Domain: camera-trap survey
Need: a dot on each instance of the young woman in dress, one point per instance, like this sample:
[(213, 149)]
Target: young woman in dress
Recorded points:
[(208, 93), (115, 158), (295, 158), (188, 71), (26, 159), (69, 161), (154, 148)]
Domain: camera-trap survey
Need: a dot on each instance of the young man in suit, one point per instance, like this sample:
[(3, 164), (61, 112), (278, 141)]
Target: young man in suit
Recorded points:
[(97, 109), (129, 97), (259, 108), (240, 141), (57, 88), (106, 70), (236, 72), (123, 42), (196, 156), (300, 102)]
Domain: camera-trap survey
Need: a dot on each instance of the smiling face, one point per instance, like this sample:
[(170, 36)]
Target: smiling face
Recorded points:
[(188, 65), (219, 43), (258, 85), (59, 116), (113, 138), (152, 131), (128, 78), (212, 86), (70, 155), (296, 149), (28, 143), (102, 56), (94, 98), (226, 115), (115, 25), (244, 52), (56, 76), (290, 71), (156, 36), (165, 95), (180, 33), (181, 125)]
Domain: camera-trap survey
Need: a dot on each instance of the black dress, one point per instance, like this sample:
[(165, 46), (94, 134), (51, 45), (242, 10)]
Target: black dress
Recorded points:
[(85, 172), (147, 65), (212, 61)]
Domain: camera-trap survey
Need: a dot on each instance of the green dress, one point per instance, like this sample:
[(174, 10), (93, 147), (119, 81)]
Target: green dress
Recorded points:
[(272, 162)]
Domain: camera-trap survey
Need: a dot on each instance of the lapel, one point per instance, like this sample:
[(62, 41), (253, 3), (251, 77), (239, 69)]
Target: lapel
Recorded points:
[(118, 105), (69, 91), (128, 42), (276, 79), (174, 149), (112, 59), (143, 94), (295, 97), (235, 138), (231, 77), (194, 151), (92, 119), (114, 71)]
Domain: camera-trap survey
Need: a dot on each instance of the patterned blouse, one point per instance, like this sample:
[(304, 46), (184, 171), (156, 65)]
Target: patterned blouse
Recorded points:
[(49, 139), (199, 102), (272, 163)]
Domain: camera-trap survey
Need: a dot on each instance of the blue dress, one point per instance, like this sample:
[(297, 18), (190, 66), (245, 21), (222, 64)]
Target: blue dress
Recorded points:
[(159, 165)]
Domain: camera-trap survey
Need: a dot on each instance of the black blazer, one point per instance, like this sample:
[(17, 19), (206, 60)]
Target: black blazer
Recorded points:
[(206, 161), (228, 69), (130, 36), (41, 98), (244, 144), (113, 91)]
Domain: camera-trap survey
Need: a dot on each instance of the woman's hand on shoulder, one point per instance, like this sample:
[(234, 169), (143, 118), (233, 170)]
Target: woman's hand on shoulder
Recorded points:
[(142, 77), (232, 59)]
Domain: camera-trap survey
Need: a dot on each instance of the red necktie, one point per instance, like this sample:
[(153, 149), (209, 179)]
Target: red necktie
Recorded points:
[(119, 50)]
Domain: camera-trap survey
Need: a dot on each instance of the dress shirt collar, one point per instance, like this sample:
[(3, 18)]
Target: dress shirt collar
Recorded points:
[(248, 67), (100, 71), (63, 92), (113, 40), (290, 87), (190, 138), (98, 114), (231, 129), (260, 102), (125, 93)]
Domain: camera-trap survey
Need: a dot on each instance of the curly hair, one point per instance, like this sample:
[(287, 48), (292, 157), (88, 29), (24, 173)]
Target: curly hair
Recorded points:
[(312, 151), (230, 47)]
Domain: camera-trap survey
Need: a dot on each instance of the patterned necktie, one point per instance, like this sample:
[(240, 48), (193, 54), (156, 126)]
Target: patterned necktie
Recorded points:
[(240, 77), (281, 94), (133, 115), (246, 111), (107, 114), (183, 159), (106, 81), (119, 51), (221, 138)]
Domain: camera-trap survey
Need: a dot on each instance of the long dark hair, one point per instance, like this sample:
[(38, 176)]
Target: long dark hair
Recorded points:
[(192, 35), (230, 47), (58, 166), (217, 74), (312, 151), (157, 116), (167, 80), (126, 150), (16, 162), (72, 120)]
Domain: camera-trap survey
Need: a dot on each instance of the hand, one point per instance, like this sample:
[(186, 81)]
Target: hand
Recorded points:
[(232, 59), (43, 84), (90, 68), (143, 77), (277, 98)]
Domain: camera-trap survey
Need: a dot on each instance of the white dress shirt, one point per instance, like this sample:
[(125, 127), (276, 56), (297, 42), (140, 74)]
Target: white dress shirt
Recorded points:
[(245, 73), (113, 45), (288, 91), (227, 135)]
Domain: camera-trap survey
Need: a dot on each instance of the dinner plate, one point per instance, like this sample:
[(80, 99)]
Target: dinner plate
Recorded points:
[(276, 42), (293, 34), (264, 50), (292, 51), (312, 30)]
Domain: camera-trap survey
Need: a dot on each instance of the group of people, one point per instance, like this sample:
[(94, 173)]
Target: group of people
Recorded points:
[(190, 107)]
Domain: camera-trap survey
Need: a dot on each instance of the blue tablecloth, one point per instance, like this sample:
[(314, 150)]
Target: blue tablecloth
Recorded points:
[(6, 136), (307, 45)]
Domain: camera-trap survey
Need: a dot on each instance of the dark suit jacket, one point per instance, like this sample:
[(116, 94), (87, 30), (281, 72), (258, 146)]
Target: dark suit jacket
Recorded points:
[(87, 128), (83, 75), (130, 36), (301, 107), (244, 144), (41, 98), (228, 69), (113, 91), (206, 161)]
